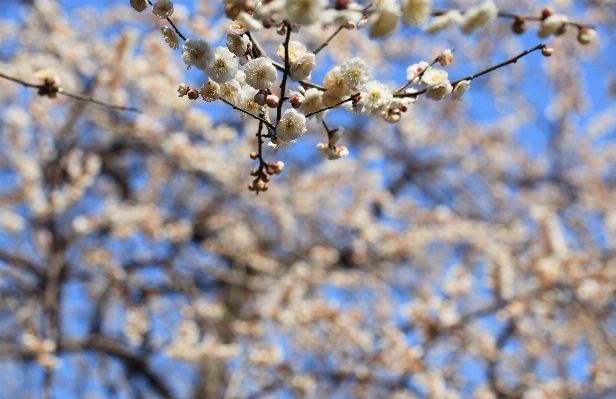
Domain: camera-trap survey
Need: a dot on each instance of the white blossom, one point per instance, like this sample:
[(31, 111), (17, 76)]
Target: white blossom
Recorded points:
[(552, 25), (478, 17), (237, 44), (163, 8), (384, 21), (332, 152), (433, 76), (210, 91), (335, 84), (247, 102), (416, 12), (312, 101), (355, 72), (303, 69), (438, 91), (260, 73), (304, 12), (171, 38), (414, 70), (291, 126), (231, 92), (197, 53), (461, 88), (375, 97), (442, 22), (223, 66), (295, 49)]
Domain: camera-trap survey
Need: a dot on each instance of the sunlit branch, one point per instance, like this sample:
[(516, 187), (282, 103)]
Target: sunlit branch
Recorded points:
[(285, 75), (478, 74), (333, 106), (76, 96), (268, 124)]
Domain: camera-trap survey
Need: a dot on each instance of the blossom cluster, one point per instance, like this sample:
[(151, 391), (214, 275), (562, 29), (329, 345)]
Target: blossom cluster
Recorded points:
[(243, 76)]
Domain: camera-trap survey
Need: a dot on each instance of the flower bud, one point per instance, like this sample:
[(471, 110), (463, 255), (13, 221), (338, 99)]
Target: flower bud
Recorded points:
[(278, 167), (183, 89), (546, 12), (519, 25), (349, 25), (586, 36), (282, 30), (295, 101), (362, 22), (446, 57), (272, 101), (193, 94), (254, 155), (547, 51), (254, 171), (260, 97)]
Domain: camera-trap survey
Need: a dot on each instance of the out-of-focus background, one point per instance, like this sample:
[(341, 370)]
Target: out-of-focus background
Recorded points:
[(465, 252)]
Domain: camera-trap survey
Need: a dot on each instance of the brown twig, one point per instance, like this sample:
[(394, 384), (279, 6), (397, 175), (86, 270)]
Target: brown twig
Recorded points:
[(76, 96), (478, 74)]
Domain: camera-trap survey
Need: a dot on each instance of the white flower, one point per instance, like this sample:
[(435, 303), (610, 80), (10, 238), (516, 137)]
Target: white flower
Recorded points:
[(384, 21), (139, 5), (303, 69), (305, 12), (243, 23), (163, 8), (378, 4), (442, 22), (247, 102), (414, 70), (231, 92), (260, 73), (439, 91), (240, 76), (171, 38), (375, 96), (355, 72), (416, 12), (332, 152), (197, 53), (237, 44), (478, 17), (296, 52), (335, 84), (461, 88), (312, 101), (210, 91), (553, 25), (433, 76), (223, 66), (291, 126)]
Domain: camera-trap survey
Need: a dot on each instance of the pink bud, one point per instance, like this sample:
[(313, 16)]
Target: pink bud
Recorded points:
[(547, 51), (272, 101)]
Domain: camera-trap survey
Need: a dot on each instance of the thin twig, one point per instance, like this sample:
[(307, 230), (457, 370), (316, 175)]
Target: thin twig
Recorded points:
[(172, 25), (326, 42), (76, 96), (421, 73), (478, 74), (333, 106), (285, 75), (269, 125)]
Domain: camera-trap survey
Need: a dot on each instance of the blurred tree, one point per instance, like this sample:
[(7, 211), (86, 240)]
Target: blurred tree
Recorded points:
[(465, 251)]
